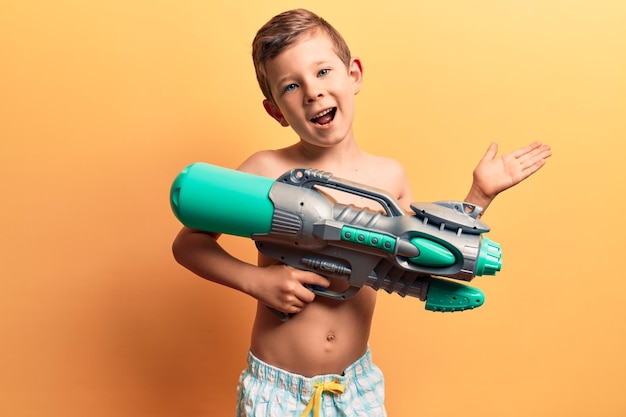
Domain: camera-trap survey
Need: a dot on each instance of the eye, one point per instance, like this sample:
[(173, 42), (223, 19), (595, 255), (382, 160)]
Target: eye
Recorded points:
[(323, 72), (290, 87)]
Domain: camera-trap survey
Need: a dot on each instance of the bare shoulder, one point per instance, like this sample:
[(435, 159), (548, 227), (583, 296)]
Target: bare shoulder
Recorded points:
[(385, 167), (268, 163), (386, 174)]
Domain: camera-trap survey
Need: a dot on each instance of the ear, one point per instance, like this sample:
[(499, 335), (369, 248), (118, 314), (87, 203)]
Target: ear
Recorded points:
[(273, 110), (355, 72)]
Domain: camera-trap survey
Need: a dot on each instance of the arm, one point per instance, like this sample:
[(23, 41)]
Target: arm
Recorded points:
[(493, 175), (277, 286)]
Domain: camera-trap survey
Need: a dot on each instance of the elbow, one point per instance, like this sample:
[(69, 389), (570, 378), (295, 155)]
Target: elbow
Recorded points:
[(190, 244), (180, 245), (177, 249)]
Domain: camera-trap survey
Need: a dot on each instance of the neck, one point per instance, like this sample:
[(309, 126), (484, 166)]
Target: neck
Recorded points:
[(334, 158)]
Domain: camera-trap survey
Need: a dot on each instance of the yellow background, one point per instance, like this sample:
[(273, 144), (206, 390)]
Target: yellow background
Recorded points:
[(103, 102)]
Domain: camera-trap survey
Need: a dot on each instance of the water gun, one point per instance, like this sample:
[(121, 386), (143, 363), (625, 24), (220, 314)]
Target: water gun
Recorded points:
[(424, 254)]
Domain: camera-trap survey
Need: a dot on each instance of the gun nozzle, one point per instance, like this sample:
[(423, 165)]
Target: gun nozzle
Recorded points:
[(489, 259)]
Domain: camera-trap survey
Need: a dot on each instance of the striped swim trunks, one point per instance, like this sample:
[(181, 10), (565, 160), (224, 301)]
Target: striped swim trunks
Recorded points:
[(267, 391)]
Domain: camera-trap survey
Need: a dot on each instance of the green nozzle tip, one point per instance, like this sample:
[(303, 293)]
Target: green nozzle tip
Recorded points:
[(221, 200), (444, 295), (489, 258)]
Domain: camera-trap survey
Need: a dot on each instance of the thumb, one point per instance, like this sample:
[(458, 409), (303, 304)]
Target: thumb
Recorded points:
[(491, 152)]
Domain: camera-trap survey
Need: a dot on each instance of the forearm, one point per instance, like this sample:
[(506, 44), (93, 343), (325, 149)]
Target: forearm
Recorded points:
[(201, 254), (277, 286)]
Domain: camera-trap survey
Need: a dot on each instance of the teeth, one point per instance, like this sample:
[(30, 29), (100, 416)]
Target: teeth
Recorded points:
[(322, 113)]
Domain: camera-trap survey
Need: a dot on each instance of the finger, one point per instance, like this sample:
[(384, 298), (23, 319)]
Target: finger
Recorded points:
[(531, 167), (295, 306), (304, 295), (536, 156), (309, 277), (521, 152), (309, 280), (546, 151), (296, 299), (491, 152), (293, 309), (319, 280)]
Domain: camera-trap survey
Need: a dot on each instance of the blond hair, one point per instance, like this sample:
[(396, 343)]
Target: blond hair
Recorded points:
[(282, 31)]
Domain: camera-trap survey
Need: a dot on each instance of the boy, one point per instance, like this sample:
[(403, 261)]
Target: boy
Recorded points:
[(320, 357)]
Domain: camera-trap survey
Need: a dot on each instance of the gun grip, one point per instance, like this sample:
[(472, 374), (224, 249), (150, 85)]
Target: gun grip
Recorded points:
[(348, 293), (282, 316)]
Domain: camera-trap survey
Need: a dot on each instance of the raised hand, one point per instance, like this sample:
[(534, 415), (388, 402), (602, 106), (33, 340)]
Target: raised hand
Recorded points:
[(494, 174)]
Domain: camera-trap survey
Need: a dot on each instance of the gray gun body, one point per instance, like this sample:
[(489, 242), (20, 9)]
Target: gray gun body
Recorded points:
[(383, 250)]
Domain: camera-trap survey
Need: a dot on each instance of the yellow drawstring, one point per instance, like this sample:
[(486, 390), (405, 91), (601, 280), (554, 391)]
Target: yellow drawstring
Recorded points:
[(316, 400)]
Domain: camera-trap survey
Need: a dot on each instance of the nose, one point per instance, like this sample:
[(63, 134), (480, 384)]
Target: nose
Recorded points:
[(313, 92)]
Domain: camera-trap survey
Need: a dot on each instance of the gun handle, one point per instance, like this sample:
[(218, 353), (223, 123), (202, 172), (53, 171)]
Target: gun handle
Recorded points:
[(282, 316), (348, 293), (309, 177)]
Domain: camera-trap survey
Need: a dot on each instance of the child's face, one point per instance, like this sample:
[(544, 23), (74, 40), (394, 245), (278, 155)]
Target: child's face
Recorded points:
[(313, 90)]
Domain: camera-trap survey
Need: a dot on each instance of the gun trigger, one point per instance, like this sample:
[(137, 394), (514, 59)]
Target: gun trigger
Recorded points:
[(316, 288)]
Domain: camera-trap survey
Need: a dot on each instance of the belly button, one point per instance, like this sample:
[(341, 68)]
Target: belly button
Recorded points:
[(330, 337)]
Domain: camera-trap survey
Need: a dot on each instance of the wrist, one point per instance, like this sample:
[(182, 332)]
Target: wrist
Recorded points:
[(477, 197)]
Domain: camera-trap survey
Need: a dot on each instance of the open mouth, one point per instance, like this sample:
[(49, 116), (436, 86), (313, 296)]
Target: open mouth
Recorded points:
[(325, 117)]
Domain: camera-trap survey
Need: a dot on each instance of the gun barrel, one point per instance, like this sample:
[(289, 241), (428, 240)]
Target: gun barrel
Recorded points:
[(222, 200)]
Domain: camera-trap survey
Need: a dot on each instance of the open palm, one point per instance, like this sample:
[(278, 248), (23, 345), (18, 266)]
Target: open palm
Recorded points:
[(494, 174)]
